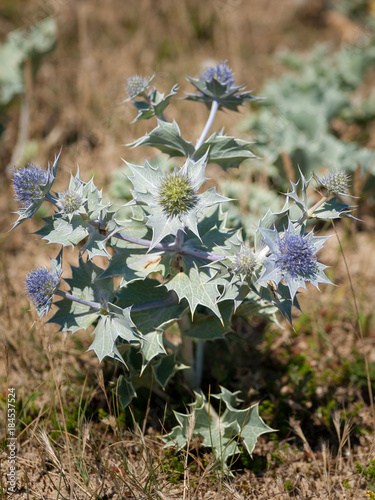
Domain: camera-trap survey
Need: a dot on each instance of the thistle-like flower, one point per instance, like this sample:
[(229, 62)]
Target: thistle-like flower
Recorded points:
[(171, 201), (244, 262), (41, 284), (70, 201), (137, 85), (293, 258), (28, 184), (336, 182), (217, 84), (32, 186), (176, 194), (221, 72)]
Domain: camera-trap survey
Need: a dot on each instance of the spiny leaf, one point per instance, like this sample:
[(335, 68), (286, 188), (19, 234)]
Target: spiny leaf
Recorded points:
[(228, 152), (219, 432), (167, 138)]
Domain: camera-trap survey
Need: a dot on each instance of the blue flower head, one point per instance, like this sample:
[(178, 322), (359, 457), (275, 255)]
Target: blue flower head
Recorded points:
[(32, 186), (41, 285), (293, 258), (28, 184), (221, 72), (217, 84)]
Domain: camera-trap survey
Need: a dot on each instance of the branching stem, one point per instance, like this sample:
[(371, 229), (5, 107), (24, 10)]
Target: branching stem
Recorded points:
[(171, 300), (176, 246)]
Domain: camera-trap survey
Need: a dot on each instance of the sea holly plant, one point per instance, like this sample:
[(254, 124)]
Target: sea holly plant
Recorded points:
[(174, 262)]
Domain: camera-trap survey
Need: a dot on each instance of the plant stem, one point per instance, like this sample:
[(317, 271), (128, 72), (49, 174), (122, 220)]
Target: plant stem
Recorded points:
[(214, 108), (171, 300), (176, 246), (73, 298)]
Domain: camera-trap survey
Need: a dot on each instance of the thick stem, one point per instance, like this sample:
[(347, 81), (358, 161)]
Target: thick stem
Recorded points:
[(172, 299), (176, 246), (214, 108)]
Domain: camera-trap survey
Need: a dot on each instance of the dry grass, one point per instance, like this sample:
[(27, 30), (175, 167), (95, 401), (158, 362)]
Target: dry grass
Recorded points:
[(73, 441)]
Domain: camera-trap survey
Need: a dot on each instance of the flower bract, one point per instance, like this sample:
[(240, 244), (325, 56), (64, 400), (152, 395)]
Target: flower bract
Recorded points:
[(293, 258)]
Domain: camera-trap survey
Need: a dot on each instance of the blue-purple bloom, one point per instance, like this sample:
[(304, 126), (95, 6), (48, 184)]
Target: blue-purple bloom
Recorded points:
[(28, 184), (293, 258), (221, 72), (32, 185), (41, 285)]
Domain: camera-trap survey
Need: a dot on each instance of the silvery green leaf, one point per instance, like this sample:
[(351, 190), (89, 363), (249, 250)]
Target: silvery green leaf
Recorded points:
[(194, 285), (167, 138), (61, 230), (165, 368), (153, 306), (71, 316), (125, 391), (99, 232), (85, 283), (111, 327), (222, 432), (300, 199), (271, 220), (226, 151), (280, 298), (208, 326), (153, 347), (333, 209), (156, 105)]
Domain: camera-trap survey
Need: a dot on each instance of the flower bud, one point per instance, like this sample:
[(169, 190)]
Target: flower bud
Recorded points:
[(136, 85), (336, 182), (244, 261), (70, 201)]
